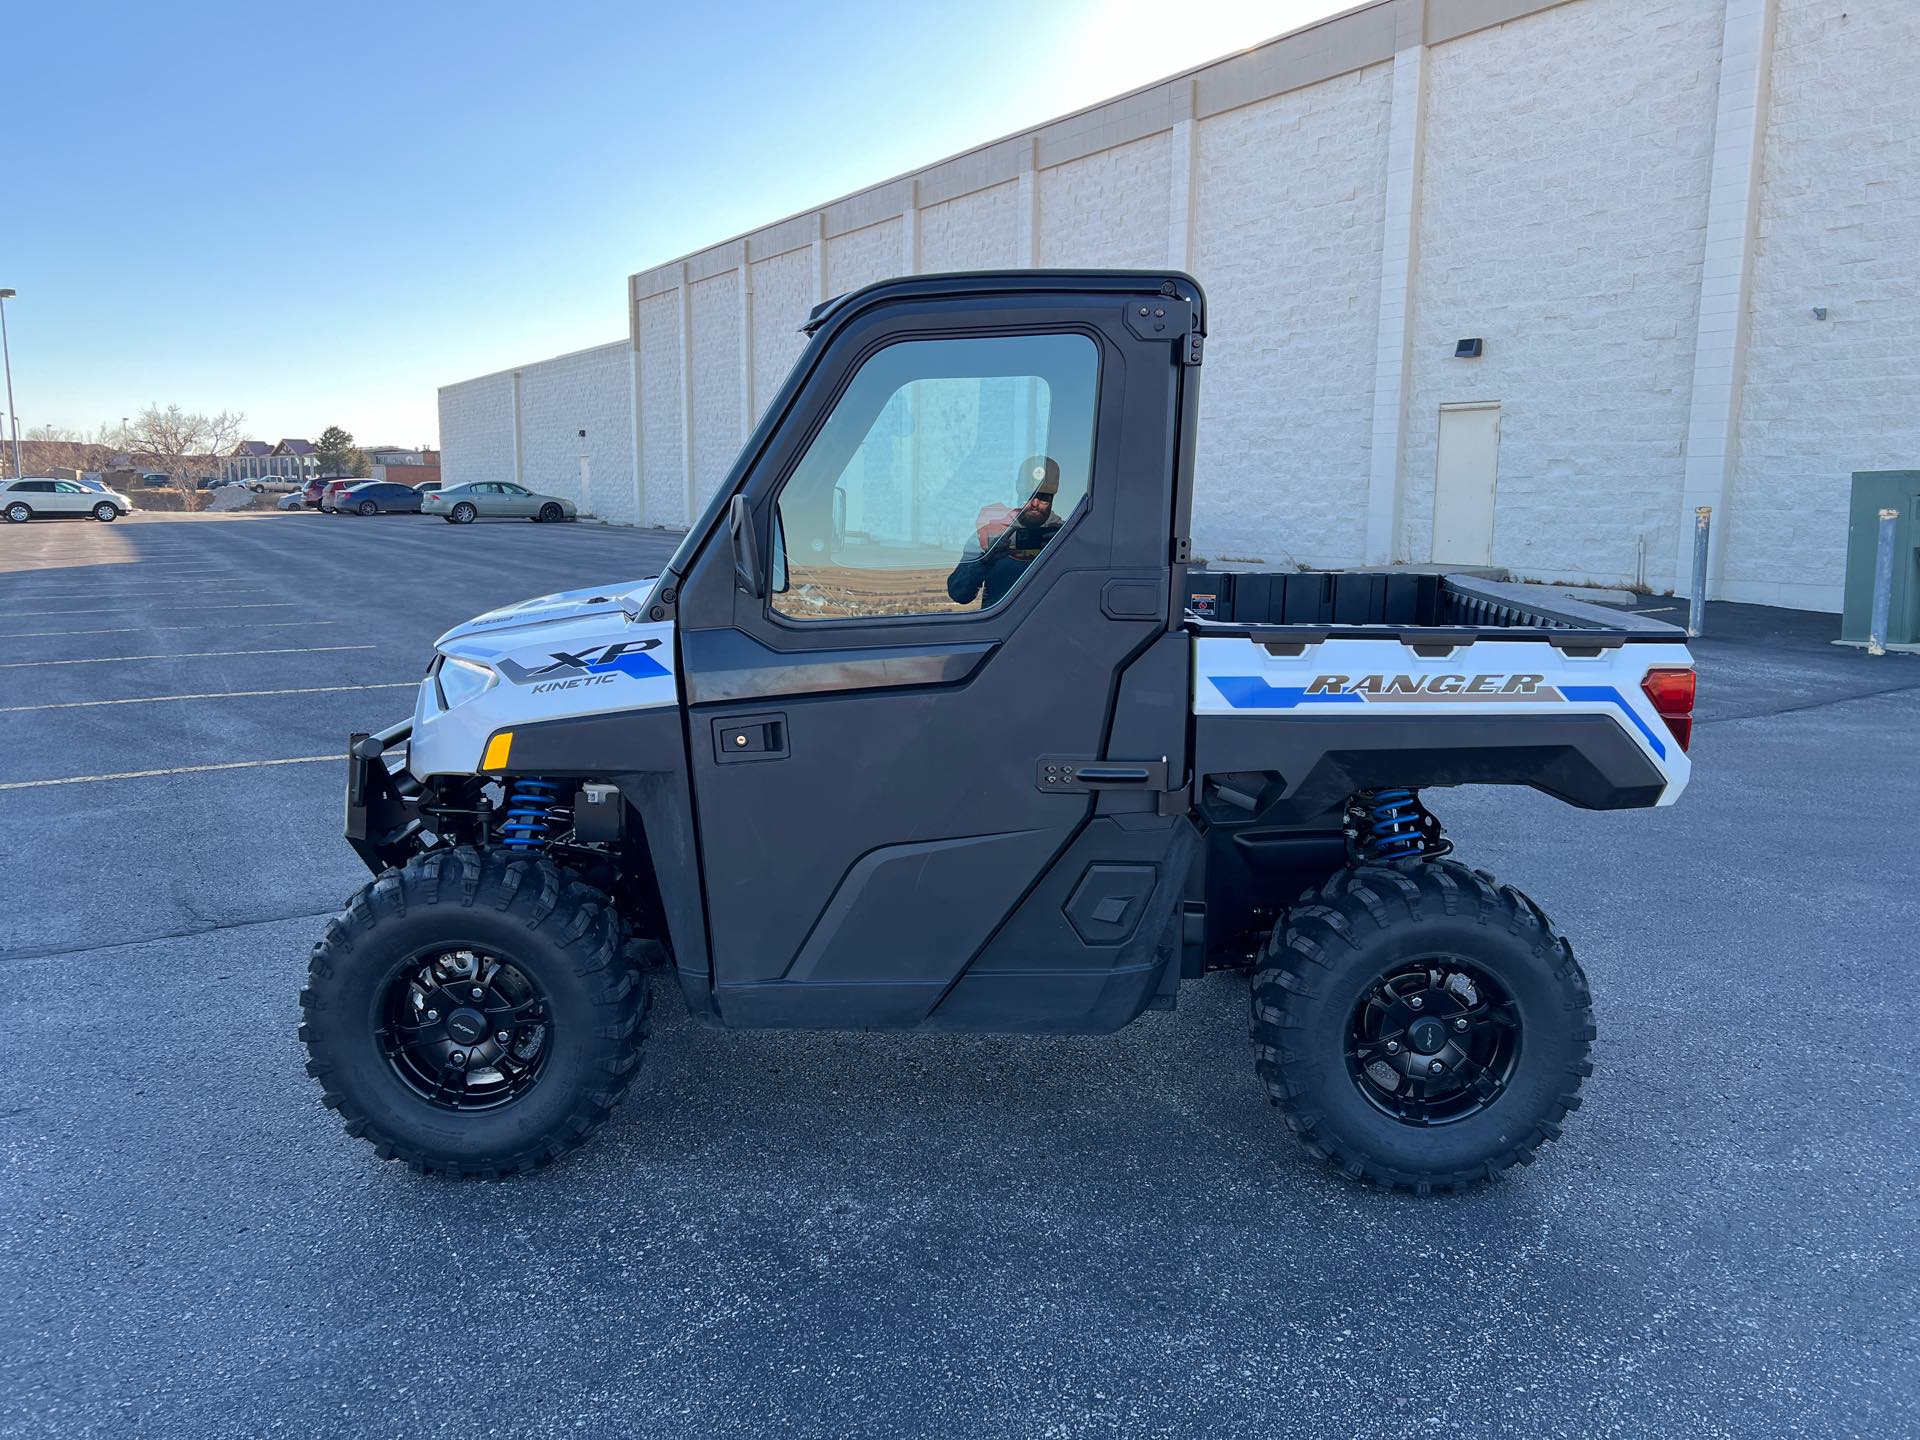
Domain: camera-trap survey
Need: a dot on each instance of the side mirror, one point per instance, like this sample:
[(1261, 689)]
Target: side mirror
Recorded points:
[(746, 554)]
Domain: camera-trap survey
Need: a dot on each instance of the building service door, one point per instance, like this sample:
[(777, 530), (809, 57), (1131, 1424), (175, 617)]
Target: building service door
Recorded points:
[(1464, 473)]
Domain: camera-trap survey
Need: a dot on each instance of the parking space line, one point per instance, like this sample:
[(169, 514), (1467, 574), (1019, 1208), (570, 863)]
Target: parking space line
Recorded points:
[(103, 592), (146, 629), (183, 655), (172, 770), (212, 695), (109, 609)]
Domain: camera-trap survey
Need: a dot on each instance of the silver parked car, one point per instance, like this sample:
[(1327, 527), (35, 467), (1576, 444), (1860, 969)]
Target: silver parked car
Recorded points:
[(494, 499)]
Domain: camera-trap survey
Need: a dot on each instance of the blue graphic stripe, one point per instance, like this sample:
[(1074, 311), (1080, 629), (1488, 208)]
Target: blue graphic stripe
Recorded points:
[(1614, 697), (1252, 692), (637, 663)]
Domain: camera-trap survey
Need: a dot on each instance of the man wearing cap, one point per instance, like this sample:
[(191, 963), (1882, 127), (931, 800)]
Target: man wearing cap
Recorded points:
[(1009, 542)]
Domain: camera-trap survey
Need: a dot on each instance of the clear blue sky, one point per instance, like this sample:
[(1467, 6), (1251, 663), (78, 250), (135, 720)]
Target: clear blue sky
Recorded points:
[(318, 213)]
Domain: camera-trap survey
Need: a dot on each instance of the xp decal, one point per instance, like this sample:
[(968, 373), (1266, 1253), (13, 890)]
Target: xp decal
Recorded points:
[(596, 665)]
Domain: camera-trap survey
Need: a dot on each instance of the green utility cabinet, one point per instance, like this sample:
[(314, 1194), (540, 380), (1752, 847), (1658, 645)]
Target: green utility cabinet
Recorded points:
[(1874, 491)]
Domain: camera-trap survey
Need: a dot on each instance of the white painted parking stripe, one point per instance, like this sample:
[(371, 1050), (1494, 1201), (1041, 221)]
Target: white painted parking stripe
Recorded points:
[(174, 770), (103, 593), (109, 609), (145, 629), (212, 695), (183, 655)]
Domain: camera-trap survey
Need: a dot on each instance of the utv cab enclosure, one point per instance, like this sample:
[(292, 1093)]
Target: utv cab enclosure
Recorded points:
[(932, 723)]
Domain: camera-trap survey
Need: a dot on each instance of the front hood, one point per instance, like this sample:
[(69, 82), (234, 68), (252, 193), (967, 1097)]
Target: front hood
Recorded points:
[(552, 609)]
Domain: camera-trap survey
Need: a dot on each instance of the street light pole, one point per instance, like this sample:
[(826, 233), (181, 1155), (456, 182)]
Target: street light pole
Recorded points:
[(6, 354)]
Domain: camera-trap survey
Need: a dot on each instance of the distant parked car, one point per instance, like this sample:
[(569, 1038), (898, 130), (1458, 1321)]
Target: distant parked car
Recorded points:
[(294, 501), (494, 499), (39, 498), (427, 487), (310, 493), (332, 490), (379, 497), (153, 479)]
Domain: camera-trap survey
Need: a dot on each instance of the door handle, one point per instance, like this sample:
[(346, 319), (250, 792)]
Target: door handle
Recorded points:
[(1076, 773), (740, 738)]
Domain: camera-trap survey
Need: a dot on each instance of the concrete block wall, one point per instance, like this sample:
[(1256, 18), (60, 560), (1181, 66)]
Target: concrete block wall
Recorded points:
[(477, 440), (1838, 229), (1634, 203), (1290, 196), (1562, 220), (524, 425), (590, 390)]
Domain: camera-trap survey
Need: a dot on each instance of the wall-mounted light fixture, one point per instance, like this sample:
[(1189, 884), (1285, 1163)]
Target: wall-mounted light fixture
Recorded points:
[(1467, 349), (1819, 312)]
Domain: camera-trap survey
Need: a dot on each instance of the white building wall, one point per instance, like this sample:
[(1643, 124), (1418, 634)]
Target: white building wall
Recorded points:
[(1563, 211), (782, 294), (590, 390), (476, 429), (863, 256), (523, 425), (1560, 178), (663, 459), (1107, 208), (715, 336), (1839, 228), (980, 231), (1290, 193)]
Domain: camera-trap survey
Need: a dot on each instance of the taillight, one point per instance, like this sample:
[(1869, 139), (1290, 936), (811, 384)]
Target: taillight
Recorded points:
[(1672, 694)]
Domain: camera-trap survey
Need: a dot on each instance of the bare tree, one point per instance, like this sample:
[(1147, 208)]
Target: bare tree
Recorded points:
[(66, 447), (184, 444)]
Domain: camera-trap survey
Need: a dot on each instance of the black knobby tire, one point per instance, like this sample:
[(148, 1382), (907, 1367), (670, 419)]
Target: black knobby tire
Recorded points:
[(560, 934), (1319, 973)]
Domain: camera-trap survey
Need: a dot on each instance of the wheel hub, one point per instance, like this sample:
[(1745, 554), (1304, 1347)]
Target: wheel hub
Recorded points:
[(1433, 1041), (464, 1031), (466, 1025)]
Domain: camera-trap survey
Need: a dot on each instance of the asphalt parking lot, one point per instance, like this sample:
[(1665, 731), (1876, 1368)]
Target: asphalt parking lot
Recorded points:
[(881, 1235)]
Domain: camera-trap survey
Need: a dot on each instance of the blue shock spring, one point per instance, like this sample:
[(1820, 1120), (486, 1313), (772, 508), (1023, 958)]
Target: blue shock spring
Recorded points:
[(1393, 826), (528, 821)]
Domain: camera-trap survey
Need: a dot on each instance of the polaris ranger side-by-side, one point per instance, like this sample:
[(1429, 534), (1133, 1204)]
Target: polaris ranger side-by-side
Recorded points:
[(929, 723)]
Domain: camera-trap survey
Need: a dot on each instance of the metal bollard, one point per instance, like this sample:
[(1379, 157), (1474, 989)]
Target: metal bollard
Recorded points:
[(1697, 602), (1882, 585)]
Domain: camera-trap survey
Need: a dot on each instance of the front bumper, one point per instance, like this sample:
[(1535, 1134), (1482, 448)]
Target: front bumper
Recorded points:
[(383, 810)]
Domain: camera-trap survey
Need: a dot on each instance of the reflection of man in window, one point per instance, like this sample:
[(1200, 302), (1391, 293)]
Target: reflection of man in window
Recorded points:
[(1008, 540)]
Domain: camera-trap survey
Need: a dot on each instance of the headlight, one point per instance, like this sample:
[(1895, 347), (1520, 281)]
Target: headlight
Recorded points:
[(461, 680)]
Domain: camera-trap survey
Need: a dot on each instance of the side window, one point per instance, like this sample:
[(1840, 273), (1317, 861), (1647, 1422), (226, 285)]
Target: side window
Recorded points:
[(943, 473)]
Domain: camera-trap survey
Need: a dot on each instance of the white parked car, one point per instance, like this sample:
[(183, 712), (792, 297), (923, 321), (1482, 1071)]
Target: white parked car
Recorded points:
[(38, 497)]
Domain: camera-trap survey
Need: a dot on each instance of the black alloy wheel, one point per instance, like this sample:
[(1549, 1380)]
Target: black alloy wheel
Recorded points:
[(464, 1030), (1421, 1025), (474, 1013), (367, 507), (1433, 1041), (552, 514)]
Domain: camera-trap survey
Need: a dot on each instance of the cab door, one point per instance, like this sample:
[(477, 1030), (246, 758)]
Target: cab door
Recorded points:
[(884, 757)]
